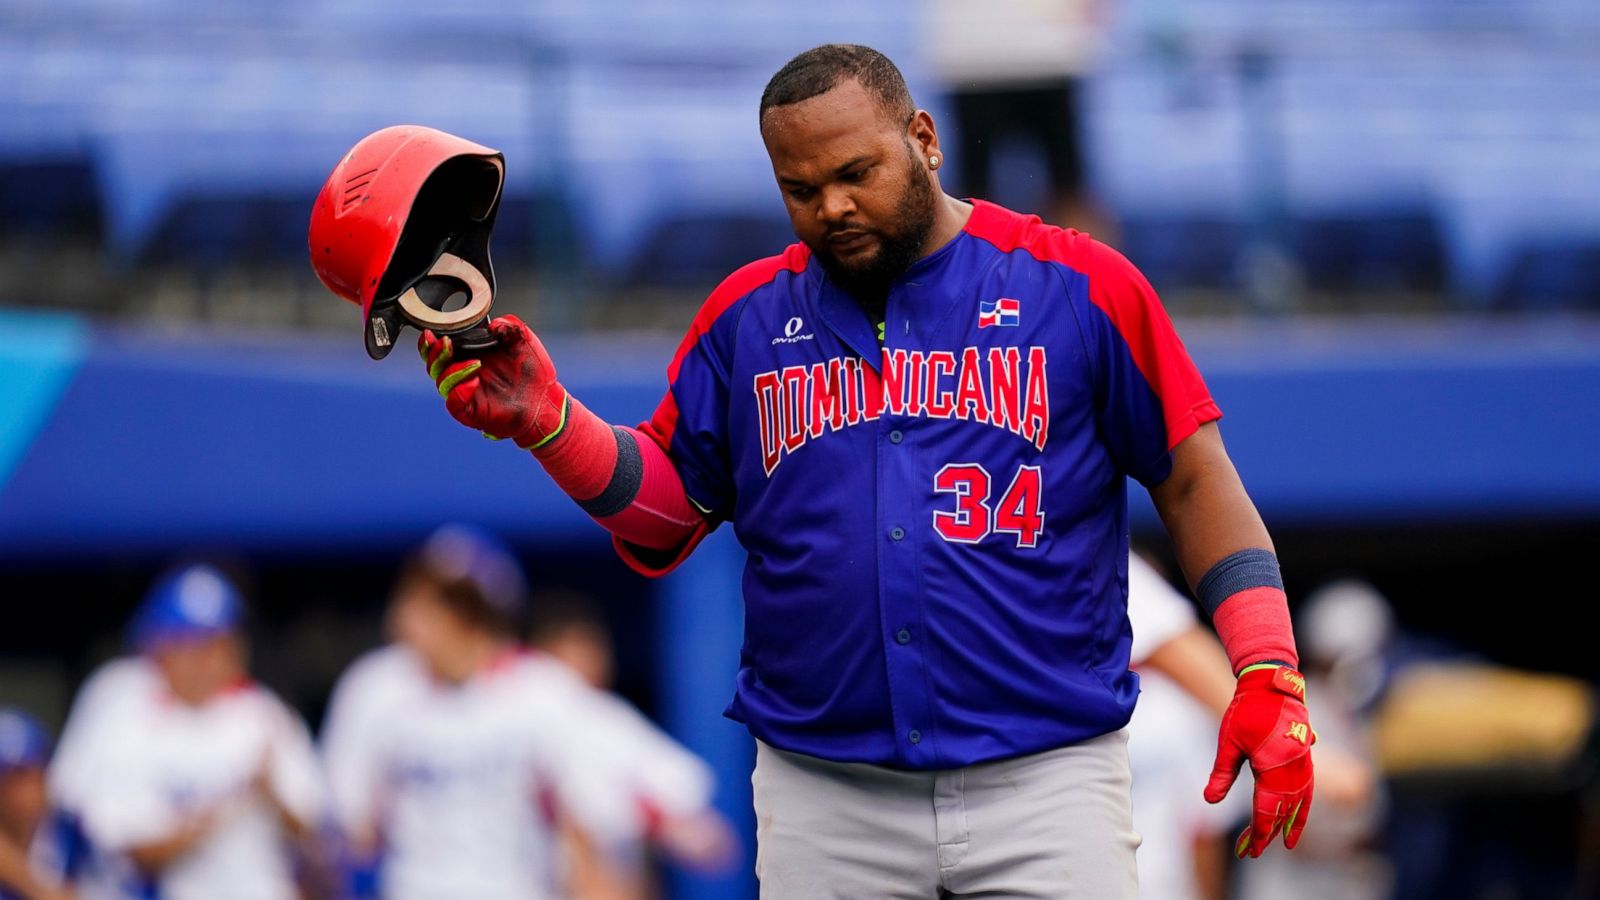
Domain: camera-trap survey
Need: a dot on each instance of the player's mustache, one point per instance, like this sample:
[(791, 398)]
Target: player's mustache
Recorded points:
[(850, 228)]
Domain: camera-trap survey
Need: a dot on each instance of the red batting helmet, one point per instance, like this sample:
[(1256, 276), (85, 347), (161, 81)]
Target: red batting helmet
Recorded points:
[(402, 224)]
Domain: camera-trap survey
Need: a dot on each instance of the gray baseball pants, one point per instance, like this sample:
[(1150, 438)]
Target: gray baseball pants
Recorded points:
[(1049, 826)]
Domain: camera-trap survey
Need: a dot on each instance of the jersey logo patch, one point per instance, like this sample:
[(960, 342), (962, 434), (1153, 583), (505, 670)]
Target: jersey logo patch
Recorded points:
[(791, 333), (1003, 312)]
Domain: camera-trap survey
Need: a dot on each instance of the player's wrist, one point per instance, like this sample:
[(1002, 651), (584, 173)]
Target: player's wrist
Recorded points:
[(1273, 675), (1264, 665), (1241, 572), (1243, 594), (548, 424)]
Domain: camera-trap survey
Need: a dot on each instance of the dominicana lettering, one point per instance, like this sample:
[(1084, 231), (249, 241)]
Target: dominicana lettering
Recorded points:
[(1002, 388)]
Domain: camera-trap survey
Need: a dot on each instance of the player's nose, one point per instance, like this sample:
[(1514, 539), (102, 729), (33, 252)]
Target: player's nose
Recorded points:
[(837, 205)]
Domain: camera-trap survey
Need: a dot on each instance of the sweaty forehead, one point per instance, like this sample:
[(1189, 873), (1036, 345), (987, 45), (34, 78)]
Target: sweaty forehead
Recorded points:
[(827, 130)]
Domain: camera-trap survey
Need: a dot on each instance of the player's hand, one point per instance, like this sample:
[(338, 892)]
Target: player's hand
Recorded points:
[(1267, 724), (508, 391), (703, 841)]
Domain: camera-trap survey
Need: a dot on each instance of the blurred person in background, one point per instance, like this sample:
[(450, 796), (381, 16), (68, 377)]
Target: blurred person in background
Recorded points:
[(1184, 687), (188, 778), (1013, 70), (24, 809), (464, 766), (568, 629)]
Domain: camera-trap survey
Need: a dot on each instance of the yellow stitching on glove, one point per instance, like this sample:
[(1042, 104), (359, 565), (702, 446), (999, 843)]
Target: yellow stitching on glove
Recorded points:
[(439, 364), (566, 401), (458, 376)]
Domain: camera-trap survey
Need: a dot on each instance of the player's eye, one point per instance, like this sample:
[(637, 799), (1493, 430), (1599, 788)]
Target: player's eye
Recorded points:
[(855, 176), (802, 194)]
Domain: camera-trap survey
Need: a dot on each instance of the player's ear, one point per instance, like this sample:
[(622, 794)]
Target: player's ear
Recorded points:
[(924, 138)]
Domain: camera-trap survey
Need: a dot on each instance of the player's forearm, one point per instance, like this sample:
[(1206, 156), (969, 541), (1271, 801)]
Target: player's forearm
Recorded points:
[(591, 875), (622, 479), (155, 856), (1205, 508), (294, 826), (1195, 662), (1225, 552)]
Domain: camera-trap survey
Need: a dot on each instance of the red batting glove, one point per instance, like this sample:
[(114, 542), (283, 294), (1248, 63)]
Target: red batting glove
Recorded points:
[(508, 391), (1267, 724)]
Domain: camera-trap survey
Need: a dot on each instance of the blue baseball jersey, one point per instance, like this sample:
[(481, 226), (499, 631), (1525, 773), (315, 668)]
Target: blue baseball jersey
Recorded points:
[(936, 525)]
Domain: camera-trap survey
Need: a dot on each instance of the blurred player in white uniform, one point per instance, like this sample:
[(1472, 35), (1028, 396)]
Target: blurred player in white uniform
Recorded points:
[(190, 781), (569, 630), (1184, 685), (460, 759), (24, 811)]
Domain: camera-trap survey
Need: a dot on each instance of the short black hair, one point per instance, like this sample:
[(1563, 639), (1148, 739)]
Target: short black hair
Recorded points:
[(463, 596), (820, 70)]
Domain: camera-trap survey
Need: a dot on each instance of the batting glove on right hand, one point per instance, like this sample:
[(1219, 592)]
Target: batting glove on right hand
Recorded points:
[(1267, 724), (508, 391)]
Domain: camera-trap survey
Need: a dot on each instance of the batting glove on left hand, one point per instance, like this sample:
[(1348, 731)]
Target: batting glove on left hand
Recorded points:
[(1267, 724), (508, 391)]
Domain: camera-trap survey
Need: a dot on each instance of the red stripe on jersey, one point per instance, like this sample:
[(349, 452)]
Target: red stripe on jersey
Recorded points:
[(1120, 291), (735, 287)]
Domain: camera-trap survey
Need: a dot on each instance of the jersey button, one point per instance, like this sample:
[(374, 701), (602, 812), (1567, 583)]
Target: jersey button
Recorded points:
[(895, 436), (903, 636), (915, 736), (897, 533)]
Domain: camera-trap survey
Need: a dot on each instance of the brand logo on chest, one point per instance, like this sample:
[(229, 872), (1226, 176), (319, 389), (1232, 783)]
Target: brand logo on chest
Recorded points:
[(791, 332), (1004, 387)]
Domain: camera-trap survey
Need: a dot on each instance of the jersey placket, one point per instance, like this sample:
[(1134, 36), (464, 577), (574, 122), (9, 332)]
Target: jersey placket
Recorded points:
[(901, 531)]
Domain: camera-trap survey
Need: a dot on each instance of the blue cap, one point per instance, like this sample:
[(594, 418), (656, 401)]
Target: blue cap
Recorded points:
[(462, 552), (24, 744), (193, 602)]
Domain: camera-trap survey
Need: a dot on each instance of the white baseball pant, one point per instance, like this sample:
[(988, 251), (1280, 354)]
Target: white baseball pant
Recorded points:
[(1056, 825)]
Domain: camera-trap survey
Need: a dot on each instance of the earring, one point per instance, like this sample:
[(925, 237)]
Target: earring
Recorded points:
[(933, 162)]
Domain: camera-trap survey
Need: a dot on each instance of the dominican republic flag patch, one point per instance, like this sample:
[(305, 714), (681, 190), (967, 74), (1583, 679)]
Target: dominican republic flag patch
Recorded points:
[(1005, 311)]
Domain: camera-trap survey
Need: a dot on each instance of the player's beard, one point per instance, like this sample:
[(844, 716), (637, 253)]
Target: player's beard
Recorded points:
[(869, 282)]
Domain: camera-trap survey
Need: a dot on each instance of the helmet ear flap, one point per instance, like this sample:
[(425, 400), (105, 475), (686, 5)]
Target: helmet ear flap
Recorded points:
[(423, 304), (383, 329)]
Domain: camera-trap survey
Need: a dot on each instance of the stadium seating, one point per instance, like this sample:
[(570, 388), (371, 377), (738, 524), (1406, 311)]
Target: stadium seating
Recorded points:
[(1413, 144)]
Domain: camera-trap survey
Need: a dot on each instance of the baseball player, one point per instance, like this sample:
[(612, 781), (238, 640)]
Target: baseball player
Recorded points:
[(571, 631), (459, 759), (1184, 683), (190, 780), (25, 820), (919, 420)]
